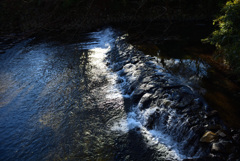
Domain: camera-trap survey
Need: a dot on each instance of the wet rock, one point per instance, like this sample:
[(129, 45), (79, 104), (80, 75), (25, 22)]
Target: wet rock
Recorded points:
[(209, 137), (186, 110), (146, 87), (87, 133), (123, 58), (128, 67), (213, 126), (194, 121), (175, 96), (212, 113), (137, 95), (117, 67), (220, 133), (145, 101), (216, 147), (222, 146), (150, 63), (166, 103), (186, 90), (119, 80), (234, 157), (121, 73), (147, 79), (236, 138), (153, 119), (207, 158), (182, 113), (134, 60), (185, 101)]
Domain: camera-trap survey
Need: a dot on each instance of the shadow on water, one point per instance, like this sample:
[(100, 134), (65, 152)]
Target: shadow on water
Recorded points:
[(180, 51), (133, 147), (54, 105), (50, 104), (59, 101), (183, 60)]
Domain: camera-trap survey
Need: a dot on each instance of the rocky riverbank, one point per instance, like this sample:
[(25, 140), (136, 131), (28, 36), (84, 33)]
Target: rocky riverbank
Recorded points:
[(162, 102)]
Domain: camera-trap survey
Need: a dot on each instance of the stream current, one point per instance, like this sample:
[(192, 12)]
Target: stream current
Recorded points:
[(96, 100)]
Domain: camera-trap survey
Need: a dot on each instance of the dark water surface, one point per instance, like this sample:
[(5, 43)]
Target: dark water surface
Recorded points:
[(62, 102), (59, 102), (181, 58)]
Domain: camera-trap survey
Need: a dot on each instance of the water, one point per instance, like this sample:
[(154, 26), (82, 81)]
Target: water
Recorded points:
[(185, 59), (71, 102), (57, 102)]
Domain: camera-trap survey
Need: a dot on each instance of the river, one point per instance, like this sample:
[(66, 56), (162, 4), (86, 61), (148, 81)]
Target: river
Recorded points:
[(80, 101)]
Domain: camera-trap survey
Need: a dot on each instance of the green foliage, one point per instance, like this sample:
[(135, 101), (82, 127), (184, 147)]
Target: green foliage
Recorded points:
[(227, 37)]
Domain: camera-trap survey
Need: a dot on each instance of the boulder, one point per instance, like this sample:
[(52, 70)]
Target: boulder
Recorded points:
[(236, 138), (209, 137), (223, 146), (116, 67), (145, 101), (212, 113), (220, 133), (216, 147), (137, 95), (185, 101), (153, 119)]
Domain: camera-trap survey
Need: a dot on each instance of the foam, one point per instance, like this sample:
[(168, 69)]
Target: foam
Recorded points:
[(125, 124), (153, 138), (137, 119)]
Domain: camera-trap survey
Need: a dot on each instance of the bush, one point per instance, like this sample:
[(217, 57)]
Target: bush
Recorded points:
[(227, 35)]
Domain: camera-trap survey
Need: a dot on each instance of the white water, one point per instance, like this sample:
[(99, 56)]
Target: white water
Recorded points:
[(136, 119)]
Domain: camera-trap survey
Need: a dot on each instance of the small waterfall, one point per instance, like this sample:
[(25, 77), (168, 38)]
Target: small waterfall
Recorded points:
[(163, 107)]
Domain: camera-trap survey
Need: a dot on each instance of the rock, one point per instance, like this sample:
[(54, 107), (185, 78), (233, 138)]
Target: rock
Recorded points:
[(183, 113), (87, 133), (134, 60), (213, 127), (228, 146), (220, 133), (145, 101), (187, 110), (209, 137), (137, 95), (236, 138), (216, 147), (207, 158), (120, 80), (186, 100), (222, 146), (152, 120), (117, 67), (147, 79), (234, 157), (212, 113), (121, 73)]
